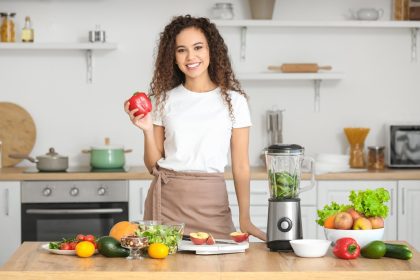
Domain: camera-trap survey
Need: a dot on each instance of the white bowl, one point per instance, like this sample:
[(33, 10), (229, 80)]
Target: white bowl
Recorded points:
[(310, 248), (362, 237)]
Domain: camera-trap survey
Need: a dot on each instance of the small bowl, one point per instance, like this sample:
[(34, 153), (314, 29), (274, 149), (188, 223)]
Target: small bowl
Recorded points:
[(362, 237), (310, 248)]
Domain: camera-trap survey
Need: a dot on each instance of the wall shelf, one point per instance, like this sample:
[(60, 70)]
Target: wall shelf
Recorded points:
[(317, 78), (413, 26), (88, 47)]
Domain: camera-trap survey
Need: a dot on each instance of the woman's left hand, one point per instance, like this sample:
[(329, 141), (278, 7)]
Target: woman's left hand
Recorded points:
[(250, 228)]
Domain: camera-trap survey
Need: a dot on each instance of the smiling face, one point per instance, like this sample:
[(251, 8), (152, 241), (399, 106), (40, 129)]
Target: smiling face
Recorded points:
[(192, 55)]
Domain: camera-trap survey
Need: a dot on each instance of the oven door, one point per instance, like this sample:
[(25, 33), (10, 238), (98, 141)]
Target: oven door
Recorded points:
[(53, 221)]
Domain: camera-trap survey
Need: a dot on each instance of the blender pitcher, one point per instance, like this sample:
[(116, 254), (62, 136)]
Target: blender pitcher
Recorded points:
[(284, 166)]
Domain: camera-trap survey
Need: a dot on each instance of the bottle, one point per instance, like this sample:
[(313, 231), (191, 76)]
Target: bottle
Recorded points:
[(7, 29), (27, 31)]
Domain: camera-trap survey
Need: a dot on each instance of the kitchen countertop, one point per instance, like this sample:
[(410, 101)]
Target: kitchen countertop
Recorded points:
[(141, 173), (30, 261)]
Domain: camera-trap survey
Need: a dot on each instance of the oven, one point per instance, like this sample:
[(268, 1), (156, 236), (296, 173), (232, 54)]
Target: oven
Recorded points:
[(52, 210)]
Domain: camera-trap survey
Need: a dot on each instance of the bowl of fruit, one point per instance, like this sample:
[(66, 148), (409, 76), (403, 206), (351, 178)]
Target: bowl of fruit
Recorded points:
[(362, 220)]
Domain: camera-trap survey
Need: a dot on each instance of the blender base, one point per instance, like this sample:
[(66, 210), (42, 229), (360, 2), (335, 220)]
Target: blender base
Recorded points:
[(279, 245)]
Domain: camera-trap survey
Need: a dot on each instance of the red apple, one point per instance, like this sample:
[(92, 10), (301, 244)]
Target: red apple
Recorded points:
[(199, 238), (210, 240), (362, 223), (377, 222), (354, 214), (238, 236), (343, 220)]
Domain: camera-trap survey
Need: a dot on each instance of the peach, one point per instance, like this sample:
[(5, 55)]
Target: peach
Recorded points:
[(238, 236), (199, 238), (343, 220), (354, 214), (377, 222), (362, 223), (210, 240)]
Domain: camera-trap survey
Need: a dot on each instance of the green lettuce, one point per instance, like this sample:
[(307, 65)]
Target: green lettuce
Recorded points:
[(371, 202), (330, 210)]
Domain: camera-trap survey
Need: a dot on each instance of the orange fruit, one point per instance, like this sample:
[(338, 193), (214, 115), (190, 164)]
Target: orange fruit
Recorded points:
[(329, 222), (158, 251), (85, 249), (121, 229)]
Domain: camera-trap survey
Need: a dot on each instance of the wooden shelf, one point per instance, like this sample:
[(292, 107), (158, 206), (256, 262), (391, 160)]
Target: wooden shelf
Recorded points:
[(88, 47)]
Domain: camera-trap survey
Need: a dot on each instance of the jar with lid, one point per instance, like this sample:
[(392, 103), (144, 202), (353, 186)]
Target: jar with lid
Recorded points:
[(7, 28), (376, 158), (223, 11)]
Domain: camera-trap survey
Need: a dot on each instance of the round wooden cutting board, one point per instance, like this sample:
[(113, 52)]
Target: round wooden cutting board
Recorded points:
[(17, 132)]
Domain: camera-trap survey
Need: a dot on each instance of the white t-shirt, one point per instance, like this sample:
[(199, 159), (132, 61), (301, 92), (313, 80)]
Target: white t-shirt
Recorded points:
[(198, 129)]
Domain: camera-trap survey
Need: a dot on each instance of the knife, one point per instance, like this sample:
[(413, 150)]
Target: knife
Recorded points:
[(218, 241)]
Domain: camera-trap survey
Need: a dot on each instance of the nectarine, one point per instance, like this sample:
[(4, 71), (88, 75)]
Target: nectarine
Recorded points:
[(377, 222), (199, 238), (238, 236), (343, 220), (362, 223)]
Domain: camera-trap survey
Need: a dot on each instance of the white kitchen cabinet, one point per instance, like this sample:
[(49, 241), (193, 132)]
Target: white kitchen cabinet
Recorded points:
[(339, 192), (137, 194), (10, 235), (259, 206), (408, 212)]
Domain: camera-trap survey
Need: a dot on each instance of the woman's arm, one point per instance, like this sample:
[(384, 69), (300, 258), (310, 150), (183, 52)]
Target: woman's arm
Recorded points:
[(153, 136), (241, 177)]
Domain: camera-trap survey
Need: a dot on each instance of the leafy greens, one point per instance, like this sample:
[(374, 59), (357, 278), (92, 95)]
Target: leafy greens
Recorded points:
[(330, 210), (371, 202)]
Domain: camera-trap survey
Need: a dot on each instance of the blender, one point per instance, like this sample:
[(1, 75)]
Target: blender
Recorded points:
[(284, 165)]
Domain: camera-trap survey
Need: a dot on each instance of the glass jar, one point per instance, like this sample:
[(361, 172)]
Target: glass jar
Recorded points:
[(7, 28), (357, 157), (222, 11), (376, 158)]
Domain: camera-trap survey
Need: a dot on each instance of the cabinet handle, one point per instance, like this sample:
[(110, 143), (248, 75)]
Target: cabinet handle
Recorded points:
[(403, 201), (141, 201), (392, 202), (6, 204)]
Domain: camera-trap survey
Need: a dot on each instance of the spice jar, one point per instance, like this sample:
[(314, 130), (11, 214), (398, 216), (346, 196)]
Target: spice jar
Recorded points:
[(376, 158), (7, 28), (222, 11)]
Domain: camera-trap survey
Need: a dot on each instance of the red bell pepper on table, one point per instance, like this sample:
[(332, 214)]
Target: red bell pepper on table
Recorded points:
[(140, 101), (346, 248)]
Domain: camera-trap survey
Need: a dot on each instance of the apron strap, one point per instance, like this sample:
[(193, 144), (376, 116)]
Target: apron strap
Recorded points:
[(157, 192)]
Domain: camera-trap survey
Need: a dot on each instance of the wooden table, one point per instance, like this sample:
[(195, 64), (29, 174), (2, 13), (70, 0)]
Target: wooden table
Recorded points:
[(30, 261)]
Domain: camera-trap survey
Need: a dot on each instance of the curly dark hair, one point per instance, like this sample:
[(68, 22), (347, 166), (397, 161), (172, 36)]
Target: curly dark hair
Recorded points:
[(167, 74)]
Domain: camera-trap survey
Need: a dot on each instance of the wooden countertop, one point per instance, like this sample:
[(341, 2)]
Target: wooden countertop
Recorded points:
[(141, 173), (30, 261)]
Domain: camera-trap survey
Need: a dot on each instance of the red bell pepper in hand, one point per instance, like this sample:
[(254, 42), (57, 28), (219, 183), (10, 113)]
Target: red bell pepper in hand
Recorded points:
[(346, 248), (140, 101)]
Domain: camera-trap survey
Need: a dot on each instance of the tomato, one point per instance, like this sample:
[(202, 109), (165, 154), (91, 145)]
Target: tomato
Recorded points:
[(73, 245), (80, 237), (65, 246), (90, 238), (140, 101)]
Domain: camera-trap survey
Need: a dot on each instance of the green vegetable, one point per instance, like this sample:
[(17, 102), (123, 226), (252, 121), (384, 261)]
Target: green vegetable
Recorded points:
[(330, 210), (283, 184), (370, 202), (374, 250), (56, 244), (166, 234), (109, 247), (398, 251)]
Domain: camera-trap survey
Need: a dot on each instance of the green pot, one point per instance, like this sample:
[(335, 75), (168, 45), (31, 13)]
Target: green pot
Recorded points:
[(107, 158)]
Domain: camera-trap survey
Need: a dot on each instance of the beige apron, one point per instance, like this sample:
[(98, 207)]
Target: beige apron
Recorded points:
[(199, 200)]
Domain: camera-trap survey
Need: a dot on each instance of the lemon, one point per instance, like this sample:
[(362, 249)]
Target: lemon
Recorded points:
[(85, 249), (158, 251)]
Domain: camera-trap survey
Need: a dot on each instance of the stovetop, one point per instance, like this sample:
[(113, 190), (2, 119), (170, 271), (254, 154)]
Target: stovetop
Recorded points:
[(79, 169)]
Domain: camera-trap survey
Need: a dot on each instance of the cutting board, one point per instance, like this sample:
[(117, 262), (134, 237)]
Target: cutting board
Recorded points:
[(17, 132), (213, 249)]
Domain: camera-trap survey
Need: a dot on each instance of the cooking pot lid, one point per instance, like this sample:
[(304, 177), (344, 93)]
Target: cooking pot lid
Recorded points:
[(51, 154), (292, 149), (107, 147)]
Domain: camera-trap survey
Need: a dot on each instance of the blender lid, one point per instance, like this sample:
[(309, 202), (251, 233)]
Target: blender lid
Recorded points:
[(285, 149)]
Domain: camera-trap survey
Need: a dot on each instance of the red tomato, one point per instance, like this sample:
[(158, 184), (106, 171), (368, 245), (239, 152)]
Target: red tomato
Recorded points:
[(65, 246), (90, 238), (73, 245), (80, 237), (140, 101)]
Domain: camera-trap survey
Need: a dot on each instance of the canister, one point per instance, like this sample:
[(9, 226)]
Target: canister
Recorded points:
[(376, 158)]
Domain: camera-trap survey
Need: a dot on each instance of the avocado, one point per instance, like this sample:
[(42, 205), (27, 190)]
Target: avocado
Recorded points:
[(109, 247), (374, 250)]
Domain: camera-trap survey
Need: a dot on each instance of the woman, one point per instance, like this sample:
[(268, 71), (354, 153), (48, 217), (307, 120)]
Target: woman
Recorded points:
[(200, 111)]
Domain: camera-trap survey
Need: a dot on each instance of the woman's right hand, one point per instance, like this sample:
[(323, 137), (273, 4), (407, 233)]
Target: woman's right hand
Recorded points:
[(143, 122)]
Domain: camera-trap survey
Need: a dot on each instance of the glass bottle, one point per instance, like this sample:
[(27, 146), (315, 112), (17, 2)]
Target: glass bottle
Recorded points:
[(7, 28), (27, 31)]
